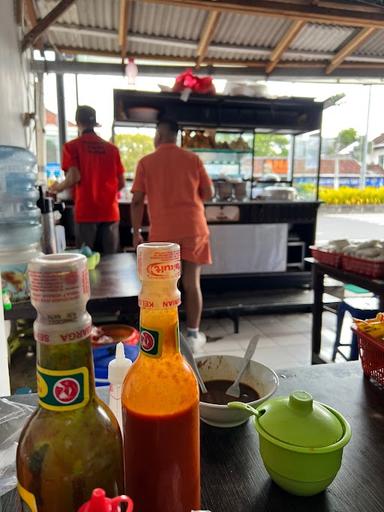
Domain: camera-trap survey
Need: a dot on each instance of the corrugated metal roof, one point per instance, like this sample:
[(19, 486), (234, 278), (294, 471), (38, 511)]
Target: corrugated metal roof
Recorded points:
[(238, 55), (374, 46), (99, 13), (89, 13), (250, 30), (321, 38), (45, 6), (167, 20), (74, 39), (155, 49), (237, 37)]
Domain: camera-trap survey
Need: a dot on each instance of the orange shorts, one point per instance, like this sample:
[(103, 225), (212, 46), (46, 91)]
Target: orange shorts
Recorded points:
[(195, 249)]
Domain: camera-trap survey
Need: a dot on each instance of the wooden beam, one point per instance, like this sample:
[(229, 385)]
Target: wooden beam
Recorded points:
[(30, 11), (283, 44), (45, 22), (223, 62), (123, 27), (71, 50), (206, 36), (349, 48), (296, 9)]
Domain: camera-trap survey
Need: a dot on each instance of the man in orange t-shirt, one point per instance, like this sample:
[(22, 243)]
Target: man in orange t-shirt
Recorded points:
[(93, 167), (176, 185)]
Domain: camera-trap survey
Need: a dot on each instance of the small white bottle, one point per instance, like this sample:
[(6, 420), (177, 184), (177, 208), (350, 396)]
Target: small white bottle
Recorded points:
[(117, 370)]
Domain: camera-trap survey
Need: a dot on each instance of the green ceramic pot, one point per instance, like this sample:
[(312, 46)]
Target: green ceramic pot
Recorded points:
[(301, 441)]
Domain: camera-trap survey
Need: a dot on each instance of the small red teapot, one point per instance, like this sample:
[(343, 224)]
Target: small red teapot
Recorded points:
[(100, 503)]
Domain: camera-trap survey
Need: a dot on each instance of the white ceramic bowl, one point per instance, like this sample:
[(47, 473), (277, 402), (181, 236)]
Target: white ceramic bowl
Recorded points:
[(257, 376)]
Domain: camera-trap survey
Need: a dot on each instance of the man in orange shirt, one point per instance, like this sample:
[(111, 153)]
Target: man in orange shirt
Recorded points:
[(176, 185), (93, 167)]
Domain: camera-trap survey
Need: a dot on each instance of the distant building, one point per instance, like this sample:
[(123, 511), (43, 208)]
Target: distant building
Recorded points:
[(52, 136), (377, 152)]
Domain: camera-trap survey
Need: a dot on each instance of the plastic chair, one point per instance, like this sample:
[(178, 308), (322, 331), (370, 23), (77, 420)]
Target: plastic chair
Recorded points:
[(358, 307)]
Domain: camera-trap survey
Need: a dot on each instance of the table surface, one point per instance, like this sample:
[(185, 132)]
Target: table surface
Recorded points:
[(113, 282), (233, 475), (374, 285), (319, 270)]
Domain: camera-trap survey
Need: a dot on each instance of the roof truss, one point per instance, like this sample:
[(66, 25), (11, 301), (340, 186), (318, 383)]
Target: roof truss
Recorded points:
[(358, 21), (206, 36), (30, 38), (328, 12), (123, 27), (31, 15), (349, 48), (283, 45)]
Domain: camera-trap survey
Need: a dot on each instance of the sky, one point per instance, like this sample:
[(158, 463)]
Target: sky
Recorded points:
[(350, 112)]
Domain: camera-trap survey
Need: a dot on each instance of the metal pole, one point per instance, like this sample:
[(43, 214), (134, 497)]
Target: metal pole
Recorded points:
[(77, 89), (291, 159), (319, 161), (61, 110), (40, 129), (253, 164), (363, 171)]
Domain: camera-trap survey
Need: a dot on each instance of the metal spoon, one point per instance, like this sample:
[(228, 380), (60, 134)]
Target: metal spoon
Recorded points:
[(187, 353), (234, 389)]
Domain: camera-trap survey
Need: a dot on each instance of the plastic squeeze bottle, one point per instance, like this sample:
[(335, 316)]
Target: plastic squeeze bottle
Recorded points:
[(117, 370), (72, 443), (161, 396)]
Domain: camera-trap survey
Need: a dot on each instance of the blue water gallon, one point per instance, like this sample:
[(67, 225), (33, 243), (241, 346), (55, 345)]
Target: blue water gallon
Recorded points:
[(19, 215)]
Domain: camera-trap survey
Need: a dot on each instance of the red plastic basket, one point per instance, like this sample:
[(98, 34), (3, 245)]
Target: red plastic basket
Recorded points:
[(362, 266), (372, 356), (333, 259)]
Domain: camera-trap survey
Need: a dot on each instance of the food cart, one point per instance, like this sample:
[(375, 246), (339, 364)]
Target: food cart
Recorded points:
[(273, 200)]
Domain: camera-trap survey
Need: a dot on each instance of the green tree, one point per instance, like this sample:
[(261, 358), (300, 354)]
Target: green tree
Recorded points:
[(271, 145), (132, 148), (345, 138)]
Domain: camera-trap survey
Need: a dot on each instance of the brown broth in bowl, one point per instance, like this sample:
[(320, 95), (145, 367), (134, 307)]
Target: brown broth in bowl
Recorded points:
[(216, 393)]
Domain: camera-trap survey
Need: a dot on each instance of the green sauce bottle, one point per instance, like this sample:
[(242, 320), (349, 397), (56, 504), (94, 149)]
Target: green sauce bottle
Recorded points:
[(72, 443)]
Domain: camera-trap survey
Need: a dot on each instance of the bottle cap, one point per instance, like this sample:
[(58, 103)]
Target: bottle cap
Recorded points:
[(59, 281), (118, 367), (158, 261), (159, 269), (59, 285), (100, 503)]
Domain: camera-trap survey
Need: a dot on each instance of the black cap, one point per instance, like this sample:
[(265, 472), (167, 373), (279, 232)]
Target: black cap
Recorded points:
[(86, 115)]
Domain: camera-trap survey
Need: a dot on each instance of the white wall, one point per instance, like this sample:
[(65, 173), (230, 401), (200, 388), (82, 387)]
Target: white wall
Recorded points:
[(13, 78), (376, 154), (14, 83)]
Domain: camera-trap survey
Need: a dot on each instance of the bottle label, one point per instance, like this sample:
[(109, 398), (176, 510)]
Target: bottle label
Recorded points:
[(159, 270), (151, 342), (63, 390), (161, 264), (65, 287), (57, 333), (28, 499)]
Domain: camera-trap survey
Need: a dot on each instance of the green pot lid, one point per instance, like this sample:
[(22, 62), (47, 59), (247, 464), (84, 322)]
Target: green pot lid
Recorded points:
[(299, 421)]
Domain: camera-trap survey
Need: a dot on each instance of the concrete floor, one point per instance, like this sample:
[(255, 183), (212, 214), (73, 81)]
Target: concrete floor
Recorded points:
[(354, 225), (285, 340)]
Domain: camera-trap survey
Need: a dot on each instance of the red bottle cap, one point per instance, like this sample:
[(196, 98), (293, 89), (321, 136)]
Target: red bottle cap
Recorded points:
[(100, 503)]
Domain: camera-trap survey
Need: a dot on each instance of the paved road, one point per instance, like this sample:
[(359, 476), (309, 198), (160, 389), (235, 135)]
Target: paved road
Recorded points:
[(365, 226)]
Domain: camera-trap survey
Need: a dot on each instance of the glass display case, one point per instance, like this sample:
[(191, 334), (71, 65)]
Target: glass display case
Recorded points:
[(306, 165), (226, 155), (254, 165)]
